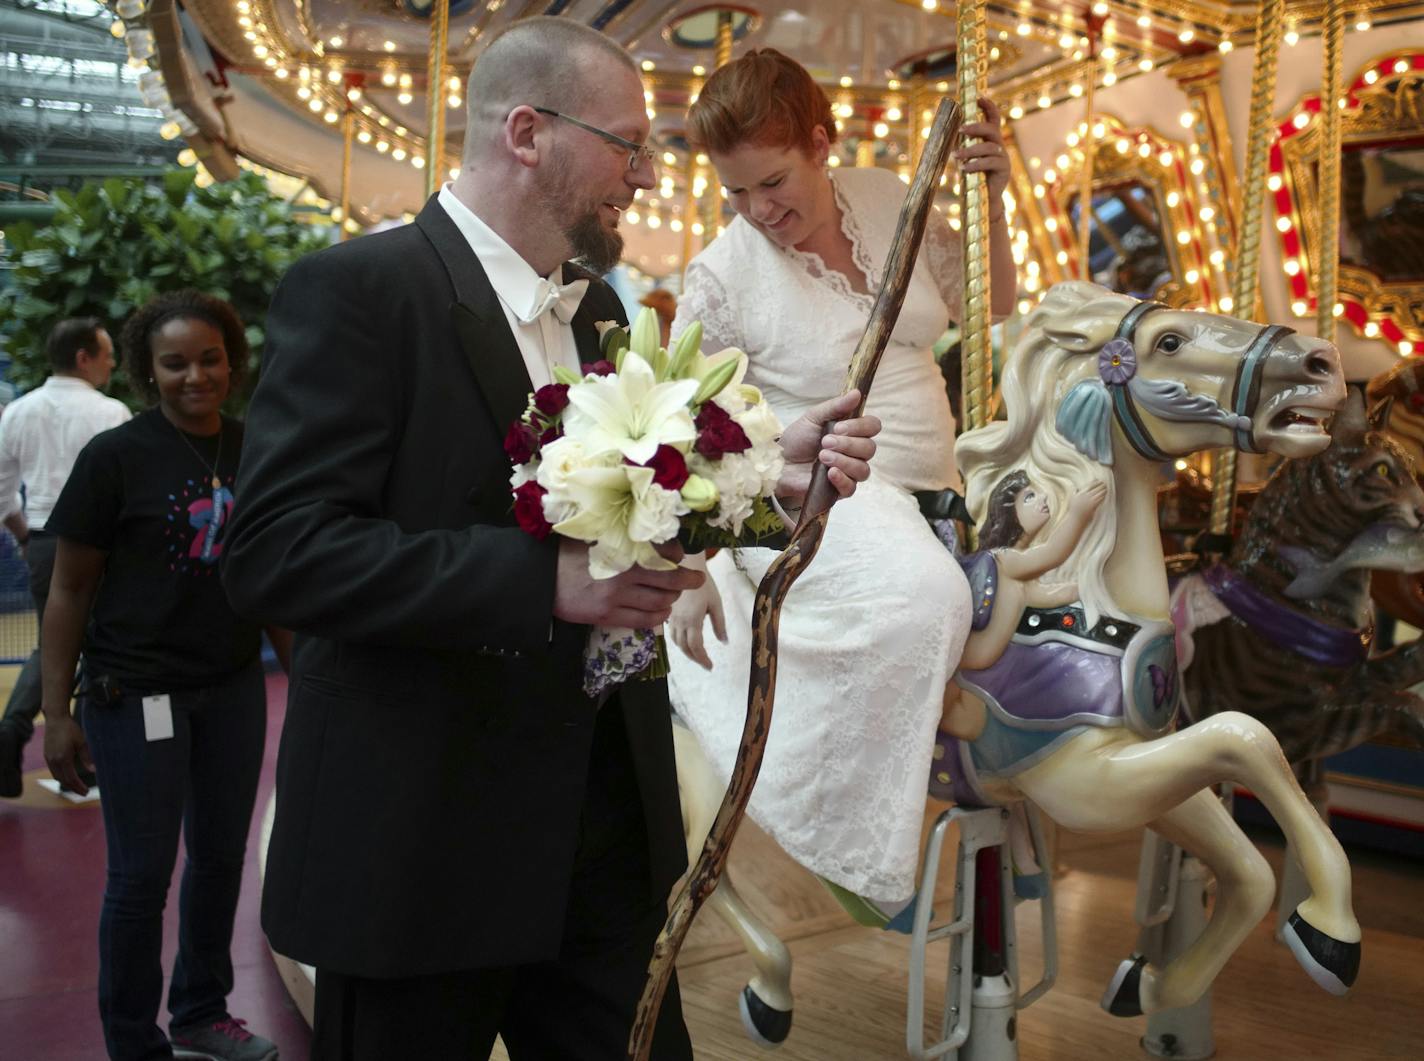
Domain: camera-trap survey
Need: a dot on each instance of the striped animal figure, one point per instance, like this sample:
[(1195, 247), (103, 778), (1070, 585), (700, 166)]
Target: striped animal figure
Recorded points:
[(1398, 398), (1283, 630)]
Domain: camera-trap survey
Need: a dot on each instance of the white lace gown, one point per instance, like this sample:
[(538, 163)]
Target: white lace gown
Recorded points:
[(875, 627)]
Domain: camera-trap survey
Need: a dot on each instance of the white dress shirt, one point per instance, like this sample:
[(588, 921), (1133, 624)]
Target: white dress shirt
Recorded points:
[(547, 340), (41, 433)]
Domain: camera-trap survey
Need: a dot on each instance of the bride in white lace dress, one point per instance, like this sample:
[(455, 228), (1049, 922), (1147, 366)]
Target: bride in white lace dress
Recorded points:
[(874, 629)]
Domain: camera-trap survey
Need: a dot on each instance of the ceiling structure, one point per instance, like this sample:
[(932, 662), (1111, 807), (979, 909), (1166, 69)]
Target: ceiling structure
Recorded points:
[(273, 83)]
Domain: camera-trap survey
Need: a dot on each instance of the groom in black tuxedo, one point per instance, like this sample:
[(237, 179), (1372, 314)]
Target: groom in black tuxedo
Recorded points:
[(465, 844)]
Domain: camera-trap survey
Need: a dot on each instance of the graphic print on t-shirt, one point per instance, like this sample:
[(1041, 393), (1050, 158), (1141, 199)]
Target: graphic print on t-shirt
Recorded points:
[(197, 519)]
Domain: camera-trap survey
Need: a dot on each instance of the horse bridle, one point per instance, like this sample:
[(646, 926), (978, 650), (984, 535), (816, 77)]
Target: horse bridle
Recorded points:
[(1245, 391)]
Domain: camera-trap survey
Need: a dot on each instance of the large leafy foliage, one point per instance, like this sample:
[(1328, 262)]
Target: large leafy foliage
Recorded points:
[(116, 243)]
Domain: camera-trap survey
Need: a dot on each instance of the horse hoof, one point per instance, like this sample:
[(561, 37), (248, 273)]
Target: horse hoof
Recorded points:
[(1331, 964), (764, 1026), (1123, 997)]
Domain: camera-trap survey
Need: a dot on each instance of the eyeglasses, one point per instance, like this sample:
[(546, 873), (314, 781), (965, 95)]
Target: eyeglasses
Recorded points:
[(636, 152)]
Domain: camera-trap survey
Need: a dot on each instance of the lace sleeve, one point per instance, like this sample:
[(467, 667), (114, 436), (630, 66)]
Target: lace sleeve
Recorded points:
[(704, 299), (944, 253)]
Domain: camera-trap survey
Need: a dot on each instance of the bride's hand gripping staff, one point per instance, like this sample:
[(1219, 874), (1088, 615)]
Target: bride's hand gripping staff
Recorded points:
[(782, 574)]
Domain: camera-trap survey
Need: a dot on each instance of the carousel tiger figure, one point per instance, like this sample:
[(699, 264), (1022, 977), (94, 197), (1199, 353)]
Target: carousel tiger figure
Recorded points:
[(1283, 629), (1398, 398)]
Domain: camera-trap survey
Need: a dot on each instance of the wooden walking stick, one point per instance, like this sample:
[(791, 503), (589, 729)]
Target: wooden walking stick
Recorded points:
[(777, 582)]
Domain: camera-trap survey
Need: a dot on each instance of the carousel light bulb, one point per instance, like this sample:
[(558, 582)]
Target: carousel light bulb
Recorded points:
[(281, 73), (1292, 267), (1165, 158), (314, 106), (1145, 66), (1173, 198), (388, 78), (1207, 213), (1184, 237), (1100, 9), (881, 130), (1371, 76), (954, 223), (1066, 41), (1405, 347), (303, 92), (651, 113), (453, 101), (1144, 150), (1024, 29), (1401, 66), (699, 70), (187, 157), (1122, 146), (1061, 257), (669, 159), (1072, 139), (1144, 21), (1217, 257), (1301, 120), (941, 87), (1045, 101), (929, 5), (833, 161), (331, 117), (648, 65), (1186, 36), (1299, 308), (1062, 161), (1337, 310), (1188, 119), (259, 50), (1109, 53), (892, 84), (418, 161), (1192, 276), (1225, 46), (994, 53), (1283, 224), (1049, 176), (404, 97), (698, 228), (1031, 284), (675, 224), (1292, 38), (632, 216), (249, 36), (1226, 303), (389, 46), (1109, 79), (1099, 130), (336, 42), (845, 110), (353, 94), (334, 76), (1016, 112), (1274, 182), (1039, 191), (654, 221), (398, 154), (245, 22), (1025, 305), (382, 146), (893, 114), (1075, 90), (364, 136), (1372, 330), (1051, 224)]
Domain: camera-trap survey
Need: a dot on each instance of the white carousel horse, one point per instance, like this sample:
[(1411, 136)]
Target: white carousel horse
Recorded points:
[(1103, 389)]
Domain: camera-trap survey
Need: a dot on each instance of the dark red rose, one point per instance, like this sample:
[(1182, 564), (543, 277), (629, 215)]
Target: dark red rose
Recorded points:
[(520, 442), (600, 368), (718, 434), (529, 510), (552, 399), (669, 468)]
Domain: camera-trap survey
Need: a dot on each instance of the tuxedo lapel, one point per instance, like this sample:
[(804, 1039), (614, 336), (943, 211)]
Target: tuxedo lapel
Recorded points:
[(485, 338)]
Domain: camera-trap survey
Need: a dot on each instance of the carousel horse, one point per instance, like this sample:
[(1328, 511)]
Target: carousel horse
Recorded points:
[(1104, 389), (1283, 629)]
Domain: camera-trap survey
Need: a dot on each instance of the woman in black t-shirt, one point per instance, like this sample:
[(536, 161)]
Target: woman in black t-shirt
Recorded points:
[(173, 700)]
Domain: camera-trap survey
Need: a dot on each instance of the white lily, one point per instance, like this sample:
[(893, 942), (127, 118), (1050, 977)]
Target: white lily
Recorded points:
[(631, 412), (622, 512)]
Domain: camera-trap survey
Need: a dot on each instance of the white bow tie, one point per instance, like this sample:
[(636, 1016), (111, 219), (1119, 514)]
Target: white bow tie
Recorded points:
[(563, 299)]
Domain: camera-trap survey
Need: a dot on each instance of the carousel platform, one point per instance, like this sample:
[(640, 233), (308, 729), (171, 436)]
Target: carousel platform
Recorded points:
[(849, 981)]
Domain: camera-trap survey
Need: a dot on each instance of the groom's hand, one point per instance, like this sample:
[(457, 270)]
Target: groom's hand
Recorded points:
[(846, 447), (637, 598)]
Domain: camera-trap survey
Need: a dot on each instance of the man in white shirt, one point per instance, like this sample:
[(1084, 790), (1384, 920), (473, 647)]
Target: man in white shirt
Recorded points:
[(41, 434)]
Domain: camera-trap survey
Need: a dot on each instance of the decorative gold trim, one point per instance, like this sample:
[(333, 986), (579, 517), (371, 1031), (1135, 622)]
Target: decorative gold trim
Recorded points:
[(1392, 788), (1390, 109)]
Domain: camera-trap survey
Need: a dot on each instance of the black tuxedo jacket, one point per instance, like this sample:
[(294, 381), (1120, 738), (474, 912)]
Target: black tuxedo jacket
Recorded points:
[(436, 743)]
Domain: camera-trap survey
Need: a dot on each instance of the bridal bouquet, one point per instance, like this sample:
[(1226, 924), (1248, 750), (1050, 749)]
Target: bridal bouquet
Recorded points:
[(648, 446)]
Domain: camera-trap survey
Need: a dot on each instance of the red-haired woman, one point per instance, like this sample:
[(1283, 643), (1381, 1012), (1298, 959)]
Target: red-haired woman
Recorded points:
[(875, 628)]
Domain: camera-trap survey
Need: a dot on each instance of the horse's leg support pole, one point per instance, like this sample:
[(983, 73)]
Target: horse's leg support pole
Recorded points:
[(993, 1034), (1171, 905)]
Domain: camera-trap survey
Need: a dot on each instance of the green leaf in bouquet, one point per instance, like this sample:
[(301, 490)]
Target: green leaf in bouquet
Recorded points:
[(566, 375), (612, 344)]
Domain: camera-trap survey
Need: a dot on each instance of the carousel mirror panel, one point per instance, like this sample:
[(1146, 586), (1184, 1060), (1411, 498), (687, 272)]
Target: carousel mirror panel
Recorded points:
[(1381, 201)]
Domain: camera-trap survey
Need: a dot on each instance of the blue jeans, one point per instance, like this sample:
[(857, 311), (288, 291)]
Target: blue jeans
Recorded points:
[(202, 780)]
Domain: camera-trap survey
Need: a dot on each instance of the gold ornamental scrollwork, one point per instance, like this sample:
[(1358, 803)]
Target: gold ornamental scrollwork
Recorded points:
[(1381, 276)]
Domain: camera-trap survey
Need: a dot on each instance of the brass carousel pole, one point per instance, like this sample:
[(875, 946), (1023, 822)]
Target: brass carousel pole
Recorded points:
[(1248, 246), (435, 95), (977, 352), (348, 133), (712, 197), (1085, 191), (1329, 264)]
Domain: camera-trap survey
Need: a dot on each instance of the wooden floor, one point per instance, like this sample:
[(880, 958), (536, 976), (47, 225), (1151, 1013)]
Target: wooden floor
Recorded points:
[(850, 981)]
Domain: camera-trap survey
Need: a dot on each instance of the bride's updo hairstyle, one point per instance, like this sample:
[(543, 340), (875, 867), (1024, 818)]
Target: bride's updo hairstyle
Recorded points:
[(763, 98)]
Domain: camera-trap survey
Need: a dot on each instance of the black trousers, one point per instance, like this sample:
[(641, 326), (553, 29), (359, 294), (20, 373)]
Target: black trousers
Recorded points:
[(579, 1006), (24, 703)]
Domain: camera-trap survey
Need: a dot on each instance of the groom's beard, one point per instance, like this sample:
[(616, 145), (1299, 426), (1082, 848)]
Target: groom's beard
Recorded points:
[(593, 242)]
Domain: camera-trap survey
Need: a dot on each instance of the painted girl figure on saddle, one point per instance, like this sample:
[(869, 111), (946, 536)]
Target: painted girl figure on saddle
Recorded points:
[(1007, 590)]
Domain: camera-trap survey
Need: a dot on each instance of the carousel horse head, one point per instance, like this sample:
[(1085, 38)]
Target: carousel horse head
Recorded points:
[(1130, 377)]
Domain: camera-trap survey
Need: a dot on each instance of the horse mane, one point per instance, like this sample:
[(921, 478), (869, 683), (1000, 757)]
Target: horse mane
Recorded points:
[(1032, 386)]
